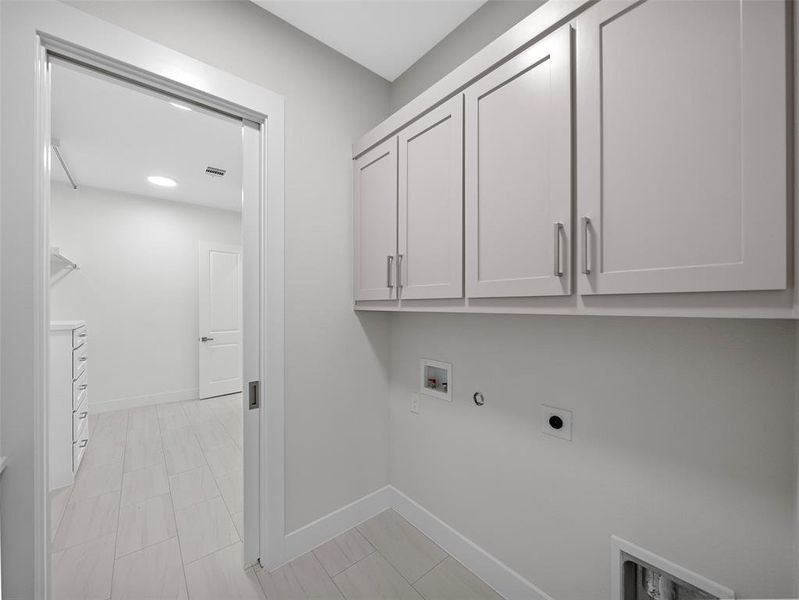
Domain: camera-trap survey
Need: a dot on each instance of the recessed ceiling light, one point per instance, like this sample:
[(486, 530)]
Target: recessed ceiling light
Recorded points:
[(180, 106), (162, 181)]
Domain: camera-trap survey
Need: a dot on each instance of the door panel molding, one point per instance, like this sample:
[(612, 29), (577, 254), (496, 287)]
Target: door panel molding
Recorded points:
[(519, 185), (375, 223), (430, 228), (717, 215)]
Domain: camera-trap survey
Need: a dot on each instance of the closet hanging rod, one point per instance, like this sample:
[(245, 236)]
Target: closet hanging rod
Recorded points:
[(57, 149), (56, 253)]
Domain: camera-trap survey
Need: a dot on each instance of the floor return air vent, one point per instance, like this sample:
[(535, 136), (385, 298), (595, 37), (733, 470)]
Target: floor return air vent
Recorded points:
[(641, 575)]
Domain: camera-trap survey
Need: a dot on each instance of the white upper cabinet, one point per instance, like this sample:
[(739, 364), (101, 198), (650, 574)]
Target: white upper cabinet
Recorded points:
[(681, 146), (518, 174), (635, 149), (375, 222), (430, 253)]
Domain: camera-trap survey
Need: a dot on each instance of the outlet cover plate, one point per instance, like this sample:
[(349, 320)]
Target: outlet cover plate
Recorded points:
[(565, 432), (416, 402)]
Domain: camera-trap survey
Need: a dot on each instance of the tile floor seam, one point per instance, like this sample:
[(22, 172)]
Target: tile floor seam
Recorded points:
[(412, 583), (340, 591), (300, 579), (430, 569), (127, 554), (177, 533), (261, 583), (119, 505), (215, 478), (210, 553), (357, 562), (182, 508), (216, 483), (350, 566), (61, 518)]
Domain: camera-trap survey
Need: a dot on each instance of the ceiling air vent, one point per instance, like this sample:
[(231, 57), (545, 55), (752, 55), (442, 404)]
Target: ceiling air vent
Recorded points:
[(215, 171)]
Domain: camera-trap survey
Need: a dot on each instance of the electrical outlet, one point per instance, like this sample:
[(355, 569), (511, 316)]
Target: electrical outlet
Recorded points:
[(556, 422), (416, 403)]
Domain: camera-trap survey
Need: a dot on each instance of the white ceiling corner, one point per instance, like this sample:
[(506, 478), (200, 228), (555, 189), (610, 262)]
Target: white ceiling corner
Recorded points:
[(385, 36)]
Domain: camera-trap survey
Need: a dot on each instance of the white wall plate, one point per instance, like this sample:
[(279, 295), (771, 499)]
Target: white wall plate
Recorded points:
[(435, 379), (556, 422)]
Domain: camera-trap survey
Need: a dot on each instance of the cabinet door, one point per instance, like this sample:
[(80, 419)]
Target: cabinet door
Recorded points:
[(518, 174), (430, 258), (681, 129), (376, 222)]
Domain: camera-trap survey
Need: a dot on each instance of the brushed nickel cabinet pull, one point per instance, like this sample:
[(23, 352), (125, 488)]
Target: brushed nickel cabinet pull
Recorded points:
[(586, 263), (389, 263), (399, 270), (558, 270)]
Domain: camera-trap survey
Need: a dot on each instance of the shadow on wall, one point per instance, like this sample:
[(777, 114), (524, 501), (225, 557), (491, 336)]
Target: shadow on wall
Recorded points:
[(375, 327)]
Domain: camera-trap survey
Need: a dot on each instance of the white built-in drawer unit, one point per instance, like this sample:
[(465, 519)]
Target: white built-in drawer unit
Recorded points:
[(612, 157), (68, 401), (79, 358)]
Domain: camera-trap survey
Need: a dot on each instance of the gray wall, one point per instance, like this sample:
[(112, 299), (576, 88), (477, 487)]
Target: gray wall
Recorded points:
[(487, 23), (336, 381), (683, 443)]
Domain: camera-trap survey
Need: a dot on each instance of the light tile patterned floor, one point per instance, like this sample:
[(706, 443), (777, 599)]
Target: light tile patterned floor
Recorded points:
[(155, 514)]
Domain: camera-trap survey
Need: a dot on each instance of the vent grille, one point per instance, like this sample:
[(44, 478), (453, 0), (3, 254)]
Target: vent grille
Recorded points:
[(215, 171)]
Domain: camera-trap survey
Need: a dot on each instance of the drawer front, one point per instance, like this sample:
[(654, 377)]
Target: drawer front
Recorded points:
[(79, 445), (80, 357), (79, 336), (80, 416), (80, 389)]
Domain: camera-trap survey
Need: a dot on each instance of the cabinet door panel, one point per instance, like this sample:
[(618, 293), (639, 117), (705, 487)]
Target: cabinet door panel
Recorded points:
[(518, 174), (431, 204), (376, 222), (681, 153)]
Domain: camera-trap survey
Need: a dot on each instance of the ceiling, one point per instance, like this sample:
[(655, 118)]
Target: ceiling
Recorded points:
[(113, 136), (385, 36)]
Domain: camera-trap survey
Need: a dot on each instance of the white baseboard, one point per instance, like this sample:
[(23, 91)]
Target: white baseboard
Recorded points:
[(309, 536), (147, 400), (507, 582)]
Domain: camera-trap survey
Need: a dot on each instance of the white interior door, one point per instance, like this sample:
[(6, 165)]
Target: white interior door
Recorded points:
[(220, 319)]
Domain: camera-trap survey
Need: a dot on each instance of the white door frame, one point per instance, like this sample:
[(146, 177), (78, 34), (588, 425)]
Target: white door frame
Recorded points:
[(53, 28)]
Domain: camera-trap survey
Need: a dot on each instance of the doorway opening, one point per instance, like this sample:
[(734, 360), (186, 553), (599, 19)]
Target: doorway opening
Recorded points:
[(146, 411)]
